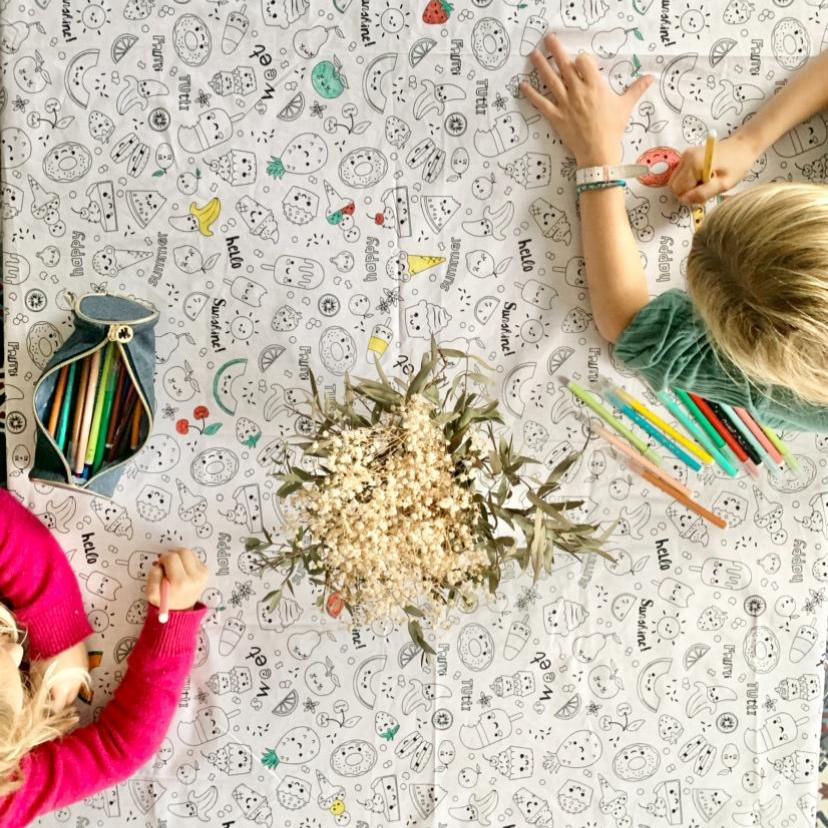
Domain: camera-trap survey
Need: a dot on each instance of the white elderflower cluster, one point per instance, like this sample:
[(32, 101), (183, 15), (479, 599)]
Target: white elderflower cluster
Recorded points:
[(396, 524)]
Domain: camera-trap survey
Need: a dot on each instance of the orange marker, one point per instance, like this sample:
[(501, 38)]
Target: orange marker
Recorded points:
[(682, 498), (57, 400)]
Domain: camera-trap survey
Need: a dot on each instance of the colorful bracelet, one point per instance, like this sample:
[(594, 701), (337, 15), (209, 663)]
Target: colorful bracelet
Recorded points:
[(599, 185)]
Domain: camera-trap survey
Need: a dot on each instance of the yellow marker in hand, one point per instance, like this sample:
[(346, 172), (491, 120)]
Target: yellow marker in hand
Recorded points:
[(707, 174)]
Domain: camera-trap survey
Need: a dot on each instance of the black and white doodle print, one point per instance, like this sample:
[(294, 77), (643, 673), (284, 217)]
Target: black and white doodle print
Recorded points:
[(341, 193)]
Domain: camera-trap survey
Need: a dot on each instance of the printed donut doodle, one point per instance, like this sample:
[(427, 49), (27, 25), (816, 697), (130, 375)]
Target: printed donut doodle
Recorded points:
[(312, 189)]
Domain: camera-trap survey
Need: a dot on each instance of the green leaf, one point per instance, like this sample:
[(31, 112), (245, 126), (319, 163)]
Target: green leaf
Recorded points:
[(536, 548), (212, 428), (159, 173), (252, 543), (273, 598), (416, 633), (288, 489), (410, 609)]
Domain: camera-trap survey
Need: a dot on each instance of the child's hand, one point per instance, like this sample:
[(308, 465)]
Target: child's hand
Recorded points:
[(583, 109), (187, 576), (732, 158), (67, 684)]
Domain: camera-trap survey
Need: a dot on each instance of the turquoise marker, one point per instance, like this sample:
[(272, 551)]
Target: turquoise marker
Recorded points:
[(63, 423), (672, 447), (696, 433)]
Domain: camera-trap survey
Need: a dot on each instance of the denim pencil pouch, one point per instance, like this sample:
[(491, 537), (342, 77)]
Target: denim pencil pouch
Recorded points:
[(94, 403)]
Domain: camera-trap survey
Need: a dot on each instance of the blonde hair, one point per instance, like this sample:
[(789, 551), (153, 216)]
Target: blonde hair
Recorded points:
[(35, 723), (758, 276)]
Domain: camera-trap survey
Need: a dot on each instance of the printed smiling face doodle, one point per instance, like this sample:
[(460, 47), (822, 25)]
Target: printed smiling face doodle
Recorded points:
[(304, 191)]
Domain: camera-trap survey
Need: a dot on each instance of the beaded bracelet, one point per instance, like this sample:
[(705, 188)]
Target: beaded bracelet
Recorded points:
[(599, 185)]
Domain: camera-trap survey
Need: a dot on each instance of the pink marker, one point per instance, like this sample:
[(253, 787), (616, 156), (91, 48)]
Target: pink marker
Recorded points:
[(164, 609)]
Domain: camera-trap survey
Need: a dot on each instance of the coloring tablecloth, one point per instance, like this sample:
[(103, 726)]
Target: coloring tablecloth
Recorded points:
[(301, 186)]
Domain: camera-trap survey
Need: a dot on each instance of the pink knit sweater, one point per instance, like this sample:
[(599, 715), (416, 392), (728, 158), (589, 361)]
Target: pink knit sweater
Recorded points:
[(38, 585)]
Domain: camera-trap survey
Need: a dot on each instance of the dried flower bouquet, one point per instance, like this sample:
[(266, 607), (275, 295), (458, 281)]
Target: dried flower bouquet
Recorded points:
[(398, 508)]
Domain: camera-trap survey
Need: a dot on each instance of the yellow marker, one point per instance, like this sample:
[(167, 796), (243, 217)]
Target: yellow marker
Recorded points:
[(709, 148), (664, 426), (793, 465), (707, 174)]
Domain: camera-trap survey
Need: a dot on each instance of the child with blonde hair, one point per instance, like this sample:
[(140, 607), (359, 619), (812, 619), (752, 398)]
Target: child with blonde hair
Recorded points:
[(752, 329), (44, 764)]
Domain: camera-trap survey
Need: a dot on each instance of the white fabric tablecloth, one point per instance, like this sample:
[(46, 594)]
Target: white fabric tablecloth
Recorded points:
[(418, 197)]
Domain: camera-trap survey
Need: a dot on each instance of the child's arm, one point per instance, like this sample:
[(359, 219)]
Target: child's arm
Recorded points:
[(133, 725), (591, 119), (37, 583), (804, 95), (130, 729)]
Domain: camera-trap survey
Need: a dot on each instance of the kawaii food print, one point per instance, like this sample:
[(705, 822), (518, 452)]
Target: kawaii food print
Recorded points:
[(304, 188)]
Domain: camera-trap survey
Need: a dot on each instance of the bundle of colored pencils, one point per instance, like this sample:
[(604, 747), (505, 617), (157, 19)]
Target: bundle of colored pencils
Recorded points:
[(715, 432), (95, 413)]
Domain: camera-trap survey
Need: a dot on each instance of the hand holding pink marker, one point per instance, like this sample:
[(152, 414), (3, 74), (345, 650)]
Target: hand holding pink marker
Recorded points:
[(164, 609)]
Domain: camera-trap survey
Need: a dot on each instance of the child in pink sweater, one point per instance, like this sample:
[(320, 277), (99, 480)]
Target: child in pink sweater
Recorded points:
[(40, 768)]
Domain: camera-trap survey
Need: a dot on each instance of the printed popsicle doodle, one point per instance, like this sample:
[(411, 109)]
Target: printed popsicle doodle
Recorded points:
[(306, 191)]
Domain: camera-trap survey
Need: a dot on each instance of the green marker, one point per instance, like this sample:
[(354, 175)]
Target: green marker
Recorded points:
[(109, 399), (97, 413), (63, 423), (586, 398), (700, 418), (693, 430)]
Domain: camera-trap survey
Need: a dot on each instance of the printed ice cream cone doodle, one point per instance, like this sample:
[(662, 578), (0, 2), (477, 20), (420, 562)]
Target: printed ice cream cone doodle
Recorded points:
[(405, 265)]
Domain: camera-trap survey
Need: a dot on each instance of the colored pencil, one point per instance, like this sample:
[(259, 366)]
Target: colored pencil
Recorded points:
[(78, 415), (109, 399), (116, 407), (136, 425), (164, 609), (679, 496), (616, 425), (57, 399), (100, 396), (68, 397), (664, 426), (694, 431), (747, 435), (618, 445), (760, 435), (88, 410), (653, 432), (708, 429), (124, 428), (781, 448), (731, 429)]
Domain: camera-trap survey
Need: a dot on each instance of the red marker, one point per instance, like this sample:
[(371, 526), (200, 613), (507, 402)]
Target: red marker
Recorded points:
[(716, 423)]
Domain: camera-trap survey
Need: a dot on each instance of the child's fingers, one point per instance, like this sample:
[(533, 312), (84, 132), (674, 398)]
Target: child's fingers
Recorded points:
[(686, 176), (192, 565), (586, 67), (548, 75), (635, 90), (540, 102), (561, 58), (156, 573), (703, 192), (174, 570)]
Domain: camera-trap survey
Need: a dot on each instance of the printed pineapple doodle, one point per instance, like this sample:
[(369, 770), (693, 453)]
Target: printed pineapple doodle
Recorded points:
[(306, 189)]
